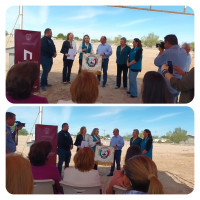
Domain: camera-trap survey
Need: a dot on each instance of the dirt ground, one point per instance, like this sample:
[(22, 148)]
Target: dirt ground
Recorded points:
[(60, 91), (175, 165)]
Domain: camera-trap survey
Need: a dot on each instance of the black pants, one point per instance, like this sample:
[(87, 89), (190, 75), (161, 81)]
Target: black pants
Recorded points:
[(121, 68), (80, 66), (67, 70)]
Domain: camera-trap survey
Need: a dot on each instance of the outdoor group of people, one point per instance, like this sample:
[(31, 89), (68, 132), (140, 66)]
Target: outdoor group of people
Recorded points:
[(38, 167), (163, 86)]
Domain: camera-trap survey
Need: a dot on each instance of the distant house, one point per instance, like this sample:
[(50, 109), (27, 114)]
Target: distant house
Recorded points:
[(190, 140), (162, 140)]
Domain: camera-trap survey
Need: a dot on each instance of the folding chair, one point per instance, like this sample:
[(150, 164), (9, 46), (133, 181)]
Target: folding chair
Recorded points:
[(43, 186), (119, 190)]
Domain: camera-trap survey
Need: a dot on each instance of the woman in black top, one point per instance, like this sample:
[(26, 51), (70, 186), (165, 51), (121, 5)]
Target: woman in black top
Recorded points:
[(67, 63), (80, 137)]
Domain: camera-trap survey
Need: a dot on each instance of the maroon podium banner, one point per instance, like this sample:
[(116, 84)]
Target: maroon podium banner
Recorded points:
[(48, 133), (27, 48)]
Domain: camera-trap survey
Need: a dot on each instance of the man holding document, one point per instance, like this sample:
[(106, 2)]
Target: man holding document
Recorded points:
[(69, 51)]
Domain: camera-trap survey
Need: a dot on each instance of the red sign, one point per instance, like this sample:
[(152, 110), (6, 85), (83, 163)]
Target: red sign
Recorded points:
[(27, 48), (48, 133)]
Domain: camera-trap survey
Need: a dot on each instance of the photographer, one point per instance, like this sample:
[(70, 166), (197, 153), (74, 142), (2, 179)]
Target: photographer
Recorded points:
[(184, 85), (173, 53), (18, 126)]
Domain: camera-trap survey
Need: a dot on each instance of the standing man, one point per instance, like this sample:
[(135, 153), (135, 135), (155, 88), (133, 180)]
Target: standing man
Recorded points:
[(187, 48), (117, 142), (105, 50), (65, 144), (10, 143), (48, 52), (173, 53)]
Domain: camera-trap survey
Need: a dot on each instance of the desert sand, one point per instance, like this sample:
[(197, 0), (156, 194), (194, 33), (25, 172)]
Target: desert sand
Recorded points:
[(60, 91), (175, 165)]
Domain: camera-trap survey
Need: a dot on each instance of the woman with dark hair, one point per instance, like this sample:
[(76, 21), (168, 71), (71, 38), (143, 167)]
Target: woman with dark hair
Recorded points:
[(83, 174), (134, 63), (154, 89), (20, 82), (85, 47), (69, 43), (38, 156), (140, 176), (117, 178), (147, 143)]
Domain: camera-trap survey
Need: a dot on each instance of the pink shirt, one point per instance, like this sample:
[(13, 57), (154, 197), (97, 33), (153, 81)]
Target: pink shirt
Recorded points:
[(117, 179), (47, 171), (31, 99)]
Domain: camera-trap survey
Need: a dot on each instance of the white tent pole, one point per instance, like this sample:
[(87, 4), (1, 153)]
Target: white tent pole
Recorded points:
[(41, 112), (21, 17)]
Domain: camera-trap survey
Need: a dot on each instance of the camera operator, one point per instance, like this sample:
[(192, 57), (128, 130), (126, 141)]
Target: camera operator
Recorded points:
[(185, 85), (18, 126), (175, 55)]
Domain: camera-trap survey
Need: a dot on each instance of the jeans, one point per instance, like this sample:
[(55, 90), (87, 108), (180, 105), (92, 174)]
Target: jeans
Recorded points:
[(63, 156), (46, 63), (133, 83), (121, 68), (105, 69), (117, 158), (67, 69)]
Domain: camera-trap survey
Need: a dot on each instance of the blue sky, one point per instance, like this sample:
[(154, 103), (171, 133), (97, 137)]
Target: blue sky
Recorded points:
[(159, 120), (103, 20)]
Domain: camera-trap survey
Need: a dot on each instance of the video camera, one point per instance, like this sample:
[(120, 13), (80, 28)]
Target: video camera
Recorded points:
[(18, 123), (161, 44)]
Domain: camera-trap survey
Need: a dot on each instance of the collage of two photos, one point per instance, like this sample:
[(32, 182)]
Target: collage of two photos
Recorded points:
[(99, 100)]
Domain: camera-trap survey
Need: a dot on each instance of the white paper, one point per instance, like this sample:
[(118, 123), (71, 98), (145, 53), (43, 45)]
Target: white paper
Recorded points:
[(84, 144), (71, 53)]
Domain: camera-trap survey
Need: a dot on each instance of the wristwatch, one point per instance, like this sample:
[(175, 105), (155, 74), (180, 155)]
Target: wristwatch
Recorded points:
[(164, 71)]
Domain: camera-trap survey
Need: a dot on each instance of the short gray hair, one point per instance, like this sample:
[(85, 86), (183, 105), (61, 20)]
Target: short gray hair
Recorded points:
[(185, 44), (94, 130), (137, 131)]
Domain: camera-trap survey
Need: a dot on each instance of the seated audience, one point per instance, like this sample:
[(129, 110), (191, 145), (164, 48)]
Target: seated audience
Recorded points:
[(83, 174), (117, 178), (154, 89), (19, 179), (185, 85), (140, 176), (41, 169), (20, 81), (84, 89)]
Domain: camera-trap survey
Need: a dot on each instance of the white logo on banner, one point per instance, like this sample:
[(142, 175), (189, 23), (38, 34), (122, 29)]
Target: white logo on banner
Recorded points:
[(26, 52)]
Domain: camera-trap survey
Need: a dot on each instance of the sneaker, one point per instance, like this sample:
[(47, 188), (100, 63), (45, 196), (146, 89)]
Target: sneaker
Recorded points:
[(133, 96), (65, 82), (103, 86), (43, 88), (69, 82), (48, 85), (117, 87), (128, 92)]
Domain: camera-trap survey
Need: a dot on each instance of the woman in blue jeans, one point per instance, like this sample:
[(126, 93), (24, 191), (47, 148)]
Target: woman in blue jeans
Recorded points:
[(134, 63)]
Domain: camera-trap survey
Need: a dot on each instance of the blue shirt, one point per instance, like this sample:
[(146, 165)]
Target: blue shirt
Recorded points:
[(106, 49), (10, 143), (178, 56), (117, 140)]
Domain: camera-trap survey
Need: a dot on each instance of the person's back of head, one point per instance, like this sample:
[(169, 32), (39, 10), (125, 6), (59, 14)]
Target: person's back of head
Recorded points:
[(84, 89), (20, 80), (84, 159), (132, 151), (19, 179), (141, 173), (154, 89), (39, 151), (172, 39)]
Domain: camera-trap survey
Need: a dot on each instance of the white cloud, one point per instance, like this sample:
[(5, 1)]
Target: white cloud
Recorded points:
[(162, 117), (139, 21)]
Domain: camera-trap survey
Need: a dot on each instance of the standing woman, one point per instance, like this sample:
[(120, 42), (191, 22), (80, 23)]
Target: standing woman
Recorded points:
[(69, 43), (83, 137), (134, 63), (147, 143), (122, 55), (135, 140), (96, 141), (85, 47)]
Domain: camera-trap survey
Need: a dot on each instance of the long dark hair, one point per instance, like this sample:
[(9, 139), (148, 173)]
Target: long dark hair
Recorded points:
[(139, 42), (149, 133), (155, 89)]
